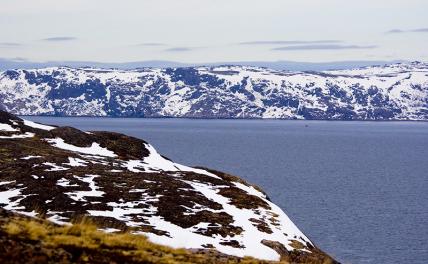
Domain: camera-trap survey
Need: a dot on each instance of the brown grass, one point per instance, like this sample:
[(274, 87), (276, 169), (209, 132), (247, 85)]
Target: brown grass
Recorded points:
[(88, 241)]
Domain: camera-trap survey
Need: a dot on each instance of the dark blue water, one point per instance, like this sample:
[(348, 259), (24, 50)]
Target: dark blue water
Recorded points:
[(359, 190)]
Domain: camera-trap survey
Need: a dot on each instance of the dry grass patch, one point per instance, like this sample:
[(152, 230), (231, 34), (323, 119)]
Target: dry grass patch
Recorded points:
[(85, 242)]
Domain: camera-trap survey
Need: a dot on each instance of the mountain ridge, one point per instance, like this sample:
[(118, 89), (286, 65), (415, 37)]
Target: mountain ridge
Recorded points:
[(390, 92)]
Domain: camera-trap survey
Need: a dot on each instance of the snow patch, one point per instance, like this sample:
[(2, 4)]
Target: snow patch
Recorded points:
[(6, 182), (30, 157), (7, 128), (75, 162), (38, 126), (154, 162), (65, 183), (94, 149), (18, 136), (10, 198), (54, 167), (80, 195)]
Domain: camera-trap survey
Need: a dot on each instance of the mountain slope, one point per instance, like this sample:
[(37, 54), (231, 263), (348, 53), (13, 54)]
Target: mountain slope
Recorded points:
[(122, 184), (398, 91)]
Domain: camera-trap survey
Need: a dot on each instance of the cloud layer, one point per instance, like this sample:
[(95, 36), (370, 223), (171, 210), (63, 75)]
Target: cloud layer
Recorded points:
[(416, 30), (325, 47), (10, 44), (181, 49), (288, 42), (152, 44), (58, 39)]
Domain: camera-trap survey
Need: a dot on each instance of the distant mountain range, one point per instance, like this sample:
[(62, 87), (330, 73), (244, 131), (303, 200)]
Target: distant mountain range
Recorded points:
[(387, 92)]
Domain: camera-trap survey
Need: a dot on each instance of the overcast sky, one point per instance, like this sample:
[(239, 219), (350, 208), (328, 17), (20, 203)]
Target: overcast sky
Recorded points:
[(214, 30)]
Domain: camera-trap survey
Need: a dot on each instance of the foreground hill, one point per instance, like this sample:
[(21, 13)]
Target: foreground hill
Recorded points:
[(30, 241), (121, 184), (390, 92)]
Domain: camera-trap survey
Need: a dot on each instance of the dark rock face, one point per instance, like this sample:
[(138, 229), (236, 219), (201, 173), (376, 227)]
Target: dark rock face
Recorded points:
[(393, 92), (122, 184)]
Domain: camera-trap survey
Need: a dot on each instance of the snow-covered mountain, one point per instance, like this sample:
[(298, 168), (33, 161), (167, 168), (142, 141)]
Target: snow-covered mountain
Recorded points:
[(397, 91), (123, 184)]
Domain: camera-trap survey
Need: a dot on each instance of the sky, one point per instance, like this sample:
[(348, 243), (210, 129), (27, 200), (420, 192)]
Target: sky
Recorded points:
[(213, 30)]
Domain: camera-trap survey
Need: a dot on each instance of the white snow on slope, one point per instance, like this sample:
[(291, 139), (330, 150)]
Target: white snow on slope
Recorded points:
[(12, 198), (6, 182), (7, 196), (250, 190), (250, 238), (124, 211), (65, 183), (95, 149), (155, 163), (54, 167), (75, 162), (80, 195), (30, 157), (18, 136), (7, 128), (36, 125)]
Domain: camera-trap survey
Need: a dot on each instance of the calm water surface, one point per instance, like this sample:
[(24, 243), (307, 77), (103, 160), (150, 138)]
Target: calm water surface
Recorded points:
[(359, 190)]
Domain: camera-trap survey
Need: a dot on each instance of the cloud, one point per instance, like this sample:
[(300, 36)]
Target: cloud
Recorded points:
[(324, 47), (288, 42), (10, 44), (394, 31), (19, 59), (420, 30), (416, 30), (152, 44), (181, 49), (58, 39)]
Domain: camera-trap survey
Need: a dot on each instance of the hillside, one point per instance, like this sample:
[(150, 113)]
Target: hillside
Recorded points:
[(389, 92), (121, 184)]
